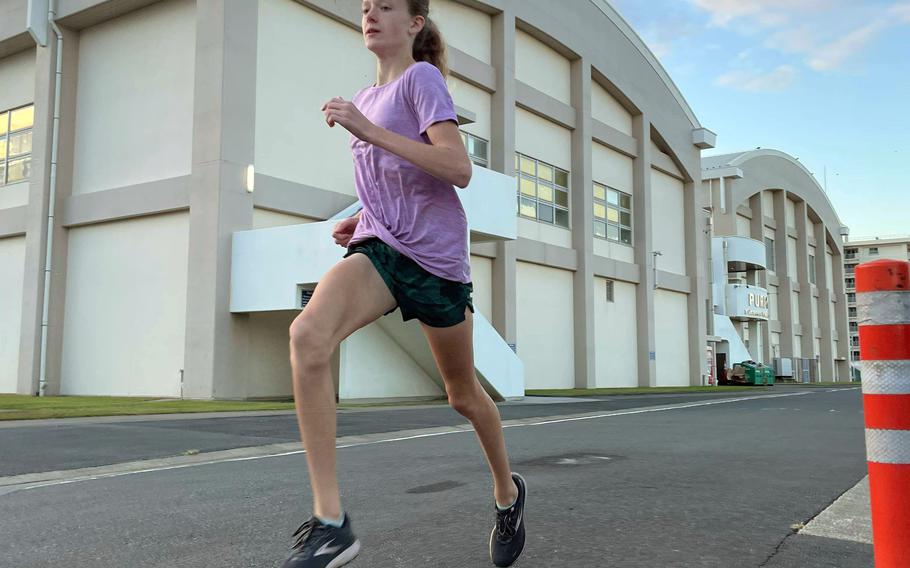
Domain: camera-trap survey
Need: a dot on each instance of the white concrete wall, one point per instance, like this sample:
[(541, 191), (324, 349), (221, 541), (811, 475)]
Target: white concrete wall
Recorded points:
[(829, 270), (475, 100), (612, 168), (269, 372), (669, 233), (541, 67), (482, 279), (550, 234), (767, 199), (125, 316), (543, 140), (792, 258), (794, 307), (791, 213), (12, 272), (671, 338), (463, 27), (373, 365), (545, 326), (614, 250), (17, 88), (294, 79), (134, 99), (615, 325), (265, 218), (605, 108), (743, 226)]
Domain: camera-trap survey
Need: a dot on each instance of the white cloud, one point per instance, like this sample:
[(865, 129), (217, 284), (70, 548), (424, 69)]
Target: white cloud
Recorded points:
[(758, 81), (901, 11), (834, 54), (763, 12)]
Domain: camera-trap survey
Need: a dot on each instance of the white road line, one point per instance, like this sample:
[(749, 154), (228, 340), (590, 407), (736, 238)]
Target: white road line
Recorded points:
[(508, 424)]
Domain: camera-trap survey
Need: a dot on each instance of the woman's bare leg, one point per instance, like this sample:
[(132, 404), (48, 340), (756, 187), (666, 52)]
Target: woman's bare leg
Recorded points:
[(453, 350), (350, 296)]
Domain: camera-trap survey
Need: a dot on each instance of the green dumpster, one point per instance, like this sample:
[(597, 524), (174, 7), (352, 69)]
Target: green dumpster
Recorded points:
[(769, 375), (751, 373)]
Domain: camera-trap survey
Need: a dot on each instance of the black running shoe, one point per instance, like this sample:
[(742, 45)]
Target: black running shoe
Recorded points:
[(508, 537), (322, 546)]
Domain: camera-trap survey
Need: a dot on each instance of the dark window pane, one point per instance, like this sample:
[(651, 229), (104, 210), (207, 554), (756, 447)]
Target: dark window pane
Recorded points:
[(625, 201), (562, 178), (562, 198), (625, 219), (626, 236), (562, 218), (545, 212), (480, 148)]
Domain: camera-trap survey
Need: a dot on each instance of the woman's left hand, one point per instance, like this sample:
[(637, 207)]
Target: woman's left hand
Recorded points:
[(349, 116)]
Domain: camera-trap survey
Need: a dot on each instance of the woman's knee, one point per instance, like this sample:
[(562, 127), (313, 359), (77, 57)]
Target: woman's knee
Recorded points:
[(310, 346), (466, 402)]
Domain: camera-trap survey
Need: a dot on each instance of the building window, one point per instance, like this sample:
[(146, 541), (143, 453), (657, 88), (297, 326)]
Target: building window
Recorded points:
[(856, 356), (610, 291), (543, 191), (612, 214), (851, 312), (854, 341), (854, 326), (850, 268), (851, 298), (851, 283), (873, 251), (478, 149), (16, 144), (850, 254), (769, 254), (812, 278)]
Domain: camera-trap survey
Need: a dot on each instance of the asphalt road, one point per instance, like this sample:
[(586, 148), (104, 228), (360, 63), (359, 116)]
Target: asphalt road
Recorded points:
[(717, 485)]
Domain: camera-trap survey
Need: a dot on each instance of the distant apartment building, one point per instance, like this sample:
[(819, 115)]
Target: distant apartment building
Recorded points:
[(858, 252)]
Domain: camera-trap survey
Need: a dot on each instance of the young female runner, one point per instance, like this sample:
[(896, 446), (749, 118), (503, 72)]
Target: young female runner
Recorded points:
[(407, 249)]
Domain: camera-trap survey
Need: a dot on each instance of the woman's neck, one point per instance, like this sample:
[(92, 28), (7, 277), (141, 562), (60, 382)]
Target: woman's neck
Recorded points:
[(390, 68)]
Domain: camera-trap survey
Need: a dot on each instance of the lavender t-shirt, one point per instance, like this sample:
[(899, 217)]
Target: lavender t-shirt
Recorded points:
[(413, 212)]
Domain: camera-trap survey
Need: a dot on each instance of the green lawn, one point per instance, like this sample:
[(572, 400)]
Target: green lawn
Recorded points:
[(21, 407), (636, 390)]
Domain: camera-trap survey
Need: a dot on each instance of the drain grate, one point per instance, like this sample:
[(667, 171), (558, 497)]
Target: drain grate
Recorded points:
[(576, 459)]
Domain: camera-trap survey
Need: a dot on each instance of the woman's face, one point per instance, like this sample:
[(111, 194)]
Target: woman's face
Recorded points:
[(388, 25)]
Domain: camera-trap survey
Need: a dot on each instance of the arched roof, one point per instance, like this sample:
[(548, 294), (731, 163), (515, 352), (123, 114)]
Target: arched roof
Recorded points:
[(773, 169)]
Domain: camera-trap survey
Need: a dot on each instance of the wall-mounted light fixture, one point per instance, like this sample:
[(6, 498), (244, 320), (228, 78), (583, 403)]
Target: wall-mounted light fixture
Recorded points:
[(250, 180)]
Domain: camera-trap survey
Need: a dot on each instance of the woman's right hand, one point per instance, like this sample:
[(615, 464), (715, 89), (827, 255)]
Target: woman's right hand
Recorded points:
[(344, 230)]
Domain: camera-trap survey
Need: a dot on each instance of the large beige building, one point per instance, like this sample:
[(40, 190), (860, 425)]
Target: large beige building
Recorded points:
[(195, 184), (778, 283), (857, 252)]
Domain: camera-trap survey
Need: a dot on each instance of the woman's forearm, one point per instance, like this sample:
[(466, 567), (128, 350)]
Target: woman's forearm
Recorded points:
[(447, 164)]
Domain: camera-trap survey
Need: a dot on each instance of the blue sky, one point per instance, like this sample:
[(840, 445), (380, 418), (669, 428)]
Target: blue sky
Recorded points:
[(827, 81)]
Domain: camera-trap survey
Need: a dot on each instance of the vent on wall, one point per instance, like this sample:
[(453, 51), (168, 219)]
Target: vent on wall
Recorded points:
[(304, 293)]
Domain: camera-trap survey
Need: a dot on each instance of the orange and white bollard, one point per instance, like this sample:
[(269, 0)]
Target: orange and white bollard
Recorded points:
[(883, 302)]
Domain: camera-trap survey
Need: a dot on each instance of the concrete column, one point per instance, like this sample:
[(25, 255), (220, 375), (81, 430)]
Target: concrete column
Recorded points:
[(216, 360), (502, 159), (696, 253), (825, 323), (840, 317), (582, 207), (37, 221), (805, 287), (643, 242), (785, 285), (757, 231)]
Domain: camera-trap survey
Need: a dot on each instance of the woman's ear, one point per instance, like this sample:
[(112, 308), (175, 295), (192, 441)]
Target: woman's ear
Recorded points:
[(417, 24)]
